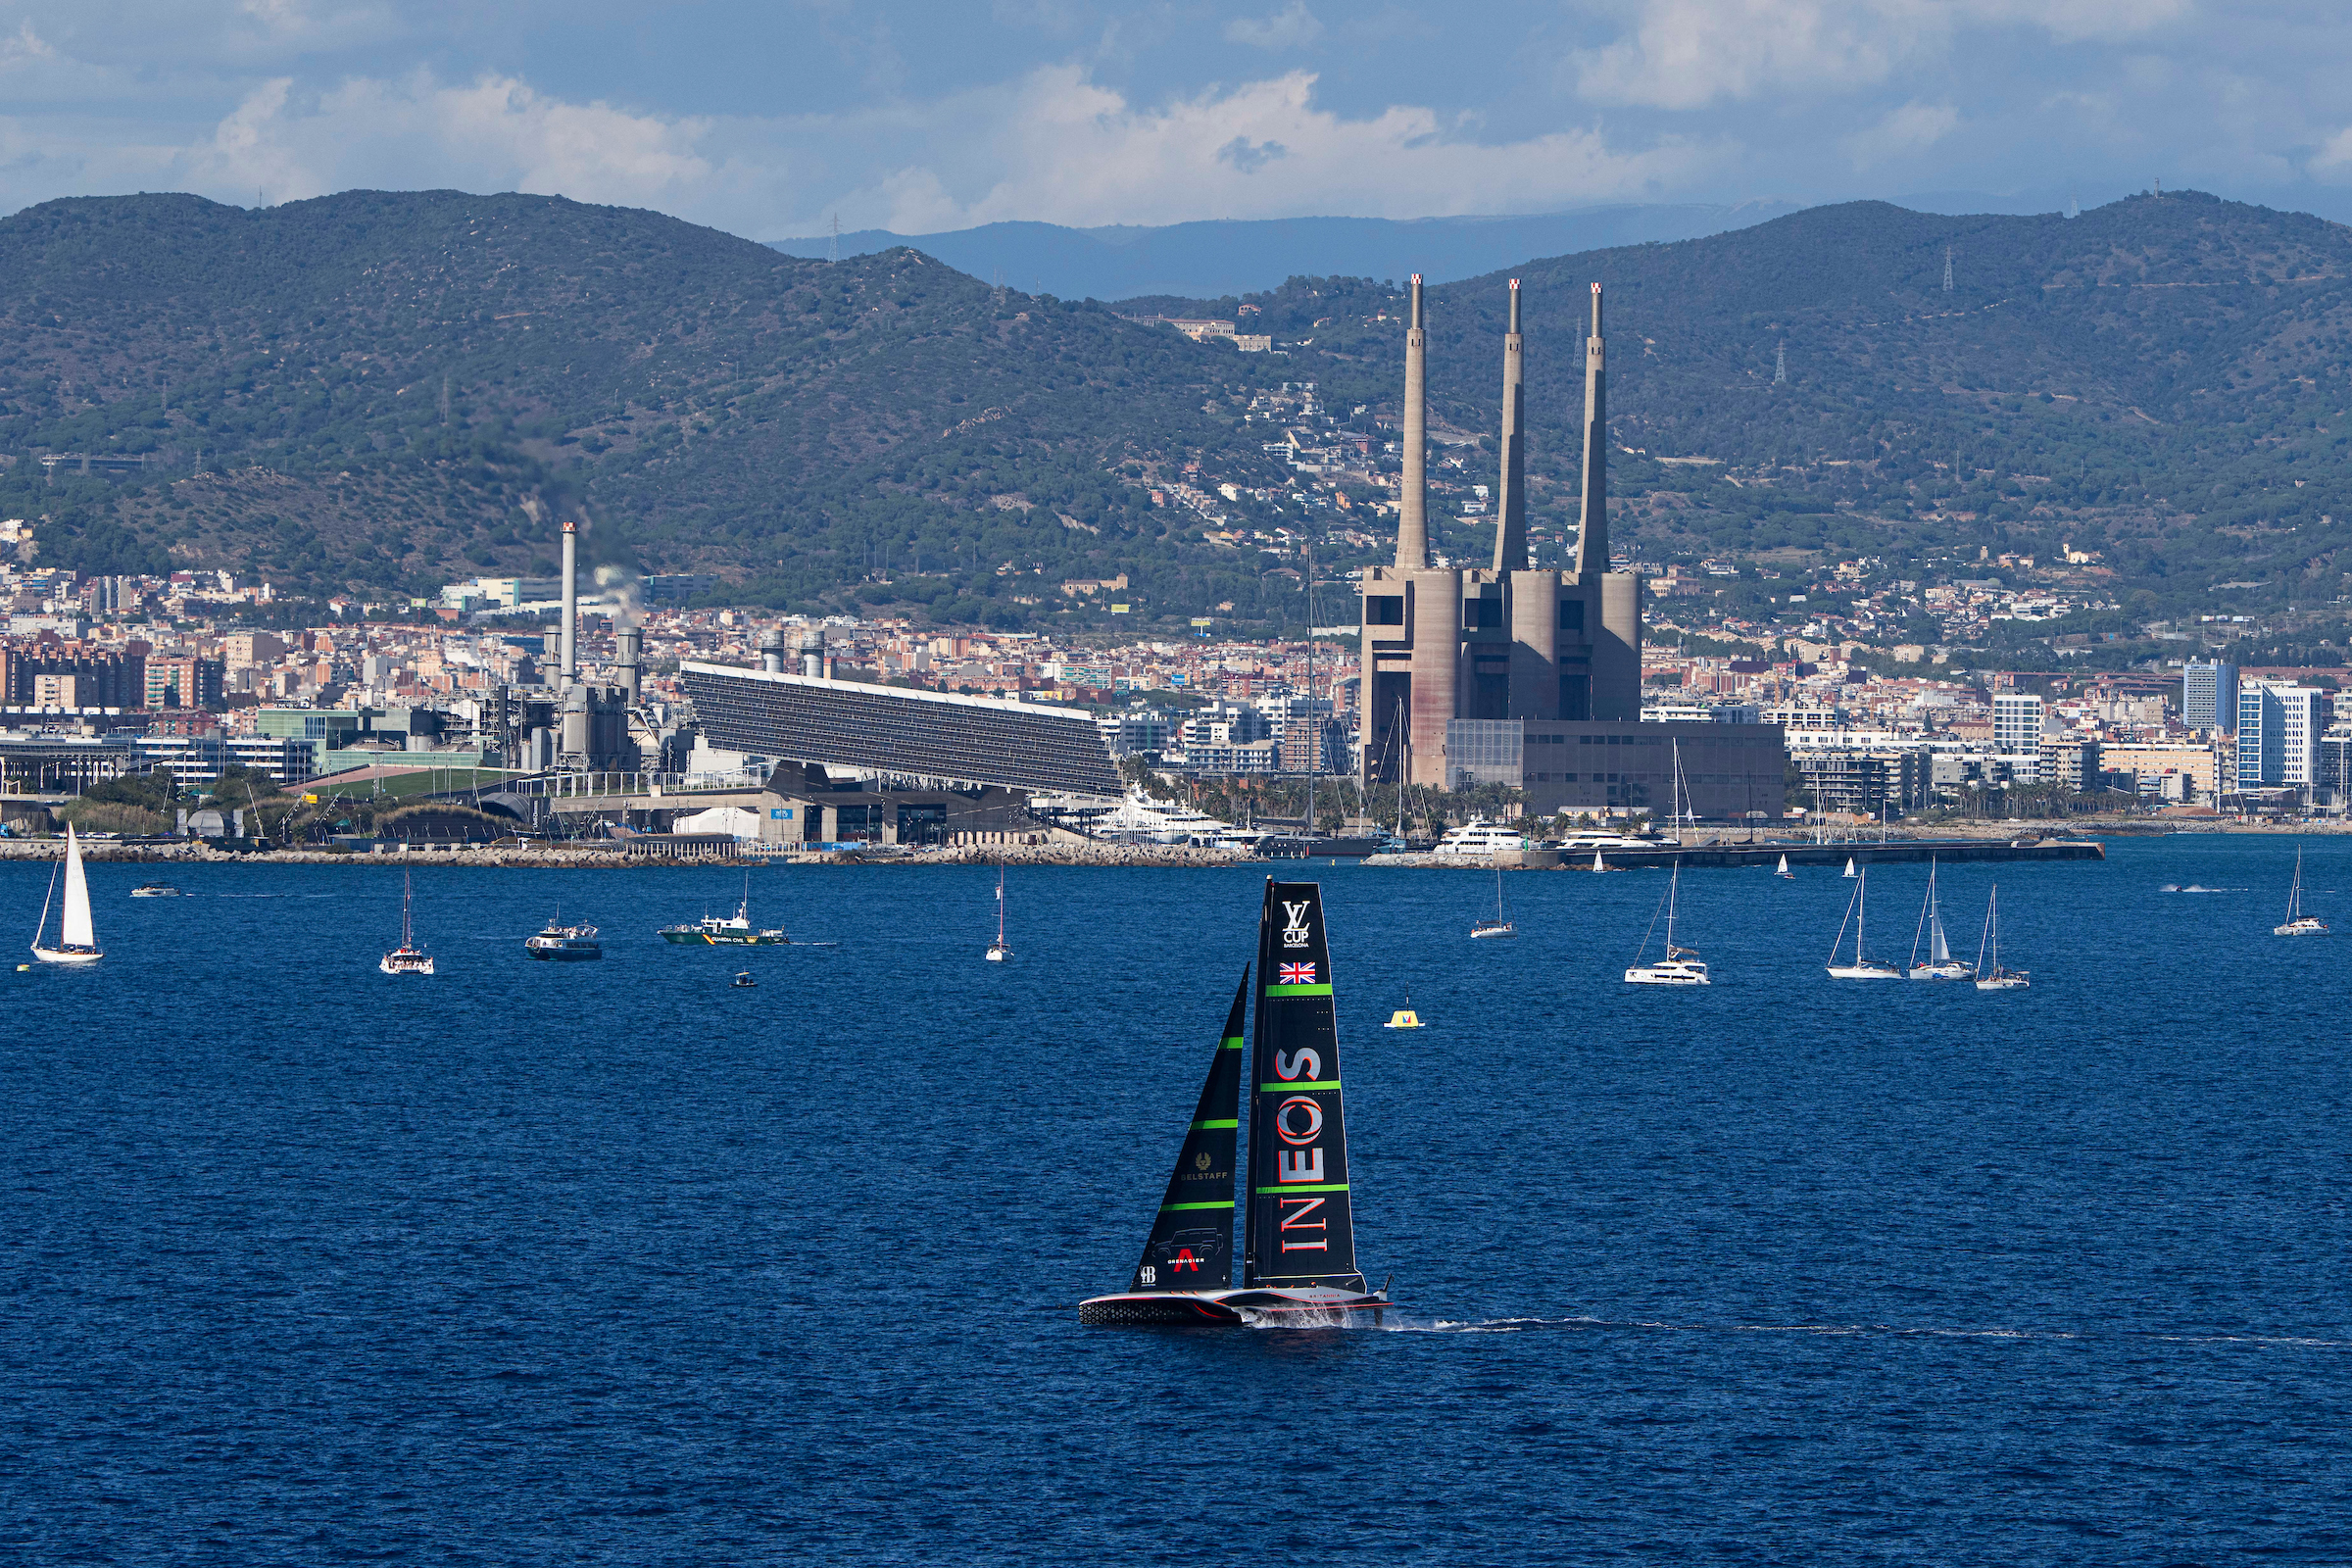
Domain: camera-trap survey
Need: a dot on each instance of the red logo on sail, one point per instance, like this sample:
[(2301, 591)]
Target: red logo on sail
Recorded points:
[(1296, 974), (1184, 1259)]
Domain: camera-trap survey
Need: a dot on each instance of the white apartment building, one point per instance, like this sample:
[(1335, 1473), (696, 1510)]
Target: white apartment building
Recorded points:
[(2278, 730), (2017, 720)]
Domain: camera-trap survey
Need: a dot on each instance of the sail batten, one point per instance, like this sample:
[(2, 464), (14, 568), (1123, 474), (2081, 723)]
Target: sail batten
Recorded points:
[(1190, 1245), (1301, 1230)]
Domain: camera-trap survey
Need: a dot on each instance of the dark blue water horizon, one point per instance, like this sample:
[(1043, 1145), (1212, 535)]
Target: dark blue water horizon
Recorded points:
[(611, 1262)]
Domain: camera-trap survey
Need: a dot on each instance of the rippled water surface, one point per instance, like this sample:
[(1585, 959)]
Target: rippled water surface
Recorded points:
[(611, 1262)]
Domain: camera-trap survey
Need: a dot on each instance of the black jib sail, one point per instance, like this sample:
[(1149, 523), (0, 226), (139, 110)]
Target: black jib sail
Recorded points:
[(1300, 1231), (1192, 1241)]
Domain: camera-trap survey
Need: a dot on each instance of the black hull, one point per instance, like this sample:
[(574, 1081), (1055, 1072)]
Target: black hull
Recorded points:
[(1154, 1310), (1230, 1309)]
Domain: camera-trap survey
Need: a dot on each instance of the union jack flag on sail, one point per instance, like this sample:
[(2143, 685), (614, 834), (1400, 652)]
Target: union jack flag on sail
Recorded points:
[(1296, 974)]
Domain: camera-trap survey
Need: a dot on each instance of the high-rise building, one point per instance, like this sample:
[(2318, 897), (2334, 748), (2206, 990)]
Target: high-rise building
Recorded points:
[(2209, 695), (2017, 720), (2278, 730)]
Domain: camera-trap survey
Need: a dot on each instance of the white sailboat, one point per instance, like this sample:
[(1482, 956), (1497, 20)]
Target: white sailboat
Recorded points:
[(2298, 924), (78, 941), (999, 950), (1861, 968), (408, 958), (1499, 926), (1988, 951), (1680, 966), (1849, 865), (1940, 965), (1783, 871)]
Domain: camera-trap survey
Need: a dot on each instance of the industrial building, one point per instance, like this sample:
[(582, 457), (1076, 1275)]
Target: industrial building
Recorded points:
[(1509, 675), (880, 763)]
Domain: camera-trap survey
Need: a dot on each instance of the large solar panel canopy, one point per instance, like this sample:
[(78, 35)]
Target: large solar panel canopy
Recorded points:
[(842, 723)]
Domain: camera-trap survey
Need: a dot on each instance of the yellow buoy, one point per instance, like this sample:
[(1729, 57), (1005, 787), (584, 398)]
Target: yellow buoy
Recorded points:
[(1403, 1018)]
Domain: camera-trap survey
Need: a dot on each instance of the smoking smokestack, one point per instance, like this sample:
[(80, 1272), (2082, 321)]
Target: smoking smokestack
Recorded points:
[(1412, 520), (1592, 547), (571, 600), (1510, 492), (626, 643)]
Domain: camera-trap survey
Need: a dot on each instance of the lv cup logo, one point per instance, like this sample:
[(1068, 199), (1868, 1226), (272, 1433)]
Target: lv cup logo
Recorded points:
[(1294, 932)]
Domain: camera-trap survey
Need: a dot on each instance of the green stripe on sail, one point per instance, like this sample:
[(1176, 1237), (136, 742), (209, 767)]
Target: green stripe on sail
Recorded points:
[(1228, 1204), (1278, 993), (1234, 1044), (1196, 1126), (1316, 1083), (1277, 1192)]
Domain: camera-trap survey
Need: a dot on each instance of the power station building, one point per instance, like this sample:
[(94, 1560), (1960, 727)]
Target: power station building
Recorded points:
[(1509, 675)]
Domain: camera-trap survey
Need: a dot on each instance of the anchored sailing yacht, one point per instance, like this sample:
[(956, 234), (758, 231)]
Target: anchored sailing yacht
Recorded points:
[(1940, 965), (1299, 1247), (2298, 924), (1861, 968), (77, 940), (1989, 946), (1499, 926), (999, 950), (408, 958), (1682, 965)]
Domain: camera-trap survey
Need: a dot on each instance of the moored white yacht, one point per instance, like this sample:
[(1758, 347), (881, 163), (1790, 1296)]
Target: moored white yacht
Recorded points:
[(408, 958), (1480, 837), (1940, 965), (1680, 966), (1861, 968), (2297, 923)]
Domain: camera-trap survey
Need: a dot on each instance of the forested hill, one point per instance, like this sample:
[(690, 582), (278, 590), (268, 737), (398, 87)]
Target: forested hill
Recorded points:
[(366, 391), (380, 391), (2164, 380)]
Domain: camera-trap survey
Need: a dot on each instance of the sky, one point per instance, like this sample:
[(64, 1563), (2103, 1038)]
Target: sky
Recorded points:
[(770, 119)]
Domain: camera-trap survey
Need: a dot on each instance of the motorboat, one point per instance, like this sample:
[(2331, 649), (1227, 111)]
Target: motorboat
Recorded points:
[(564, 944), (727, 931), (156, 890), (1480, 837)]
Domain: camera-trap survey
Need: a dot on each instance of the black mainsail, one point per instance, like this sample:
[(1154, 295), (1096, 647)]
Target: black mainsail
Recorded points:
[(1301, 1232), (1190, 1247)]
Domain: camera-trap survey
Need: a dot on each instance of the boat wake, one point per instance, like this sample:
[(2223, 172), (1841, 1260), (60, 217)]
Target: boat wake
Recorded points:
[(2192, 887), (1536, 1325)]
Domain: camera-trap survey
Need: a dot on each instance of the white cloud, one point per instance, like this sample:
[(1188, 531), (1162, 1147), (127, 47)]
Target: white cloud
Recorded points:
[(2334, 156), (493, 133), (1291, 28), (1688, 53), (1902, 131), (26, 45), (1067, 150)]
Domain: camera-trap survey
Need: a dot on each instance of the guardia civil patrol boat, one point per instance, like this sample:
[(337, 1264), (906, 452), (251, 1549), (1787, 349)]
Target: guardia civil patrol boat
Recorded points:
[(1298, 1235)]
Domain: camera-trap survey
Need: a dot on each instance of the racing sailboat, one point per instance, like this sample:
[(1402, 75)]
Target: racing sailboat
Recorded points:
[(1940, 965), (77, 941), (1298, 1236)]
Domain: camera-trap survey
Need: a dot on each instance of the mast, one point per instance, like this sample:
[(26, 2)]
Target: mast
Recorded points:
[(1190, 1245), (1301, 1230)]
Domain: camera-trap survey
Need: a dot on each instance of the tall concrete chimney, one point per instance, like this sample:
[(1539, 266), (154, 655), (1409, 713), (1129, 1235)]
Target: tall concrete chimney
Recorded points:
[(812, 651), (771, 651), (626, 643), (1511, 490), (1593, 548), (571, 602), (1413, 516)]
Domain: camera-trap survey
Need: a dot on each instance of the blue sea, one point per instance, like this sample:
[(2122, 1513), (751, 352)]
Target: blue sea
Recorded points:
[(617, 1263)]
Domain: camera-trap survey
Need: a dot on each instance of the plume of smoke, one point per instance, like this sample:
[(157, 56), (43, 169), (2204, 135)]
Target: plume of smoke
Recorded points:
[(627, 592)]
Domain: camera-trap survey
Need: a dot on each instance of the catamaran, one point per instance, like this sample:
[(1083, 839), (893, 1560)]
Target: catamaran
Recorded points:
[(1680, 966), (1940, 965), (2298, 924), (1861, 968), (1500, 925), (1988, 950), (1298, 1238), (999, 950), (77, 940), (408, 958)]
